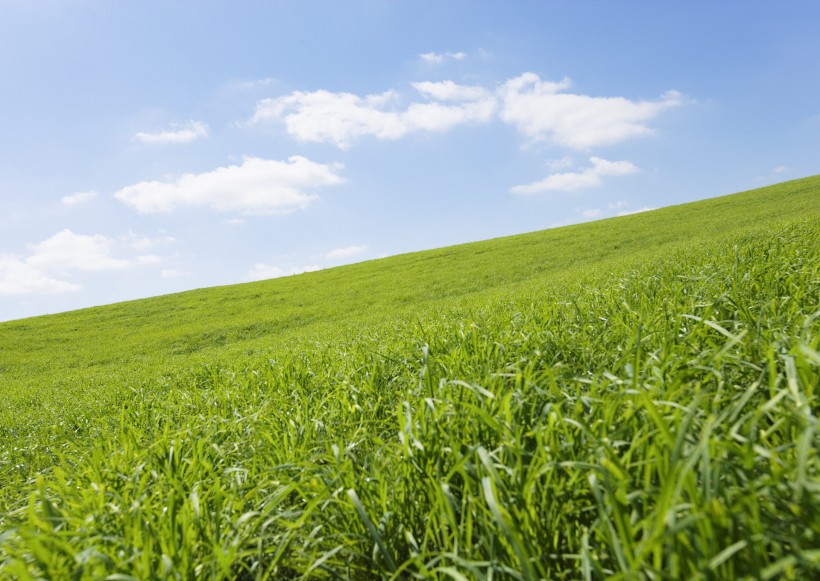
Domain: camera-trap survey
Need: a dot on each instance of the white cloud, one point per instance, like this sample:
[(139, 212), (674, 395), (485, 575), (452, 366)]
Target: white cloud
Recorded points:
[(58, 255), (322, 116), (341, 118), (257, 186), (438, 58), (587, 178), (541, 110), (592, 213), (187, 133), (346, 252), (435, 117), (781, 169), (239, 85), (69, 251), (17, 277), (264, 271), (450, 91), (78, 198), (616, 205)]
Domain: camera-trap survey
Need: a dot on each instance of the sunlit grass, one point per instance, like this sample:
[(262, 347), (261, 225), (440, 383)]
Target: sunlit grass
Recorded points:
[(576, 412)]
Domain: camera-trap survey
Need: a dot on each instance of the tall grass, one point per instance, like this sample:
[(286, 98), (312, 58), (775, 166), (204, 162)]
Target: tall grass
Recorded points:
[(647, 420)]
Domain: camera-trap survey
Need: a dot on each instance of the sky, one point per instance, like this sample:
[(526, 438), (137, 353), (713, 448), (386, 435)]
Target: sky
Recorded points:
[(153, 147)]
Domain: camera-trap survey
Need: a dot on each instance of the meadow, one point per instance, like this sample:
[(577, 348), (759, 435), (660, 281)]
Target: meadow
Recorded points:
[(634, 398)]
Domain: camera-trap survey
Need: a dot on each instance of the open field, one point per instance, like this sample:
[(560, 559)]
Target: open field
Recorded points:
[(634, 398)]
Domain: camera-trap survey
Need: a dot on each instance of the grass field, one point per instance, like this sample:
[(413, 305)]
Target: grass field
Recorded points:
[(634, 398)]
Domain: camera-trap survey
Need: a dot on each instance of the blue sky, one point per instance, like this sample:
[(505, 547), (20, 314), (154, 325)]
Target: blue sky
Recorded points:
[(157, 146)]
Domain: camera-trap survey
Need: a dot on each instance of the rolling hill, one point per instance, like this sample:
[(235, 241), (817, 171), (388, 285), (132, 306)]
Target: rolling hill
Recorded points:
[(632, 397)]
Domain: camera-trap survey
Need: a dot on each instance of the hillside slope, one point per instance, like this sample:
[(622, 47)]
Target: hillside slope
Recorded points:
[(633, 398), (161, 333)]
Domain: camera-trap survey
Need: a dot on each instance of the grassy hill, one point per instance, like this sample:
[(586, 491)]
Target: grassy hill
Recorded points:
[(635, 396)]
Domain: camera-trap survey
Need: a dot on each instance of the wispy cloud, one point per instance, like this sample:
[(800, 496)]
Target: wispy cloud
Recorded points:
[(781, 169), (79, 198), (556, 164), (450, 91), (592, 213), (257, 186), (571, 181), (346, 252), (245, 85), (187, 133), (262, 271), (638, 211), (437, 58)]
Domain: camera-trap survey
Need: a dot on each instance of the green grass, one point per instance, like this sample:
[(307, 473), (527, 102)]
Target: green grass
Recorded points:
[(634, 398)]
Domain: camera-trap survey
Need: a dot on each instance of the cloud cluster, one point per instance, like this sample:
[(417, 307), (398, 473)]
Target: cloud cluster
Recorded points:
[(586, 178), (41, 272), (256, 186), (341, 118), (187, 133), (539, 110)]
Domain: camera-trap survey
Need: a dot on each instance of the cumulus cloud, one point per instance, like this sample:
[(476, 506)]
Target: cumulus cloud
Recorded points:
[(542, 110), (187, 133), (79, 198), (346, 252), (257, 186), (341, 118), (437, 58), (17, 277), (571, 181), (262, 271), (592, 213), (69, 251), (322, 116), (41, 272)]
